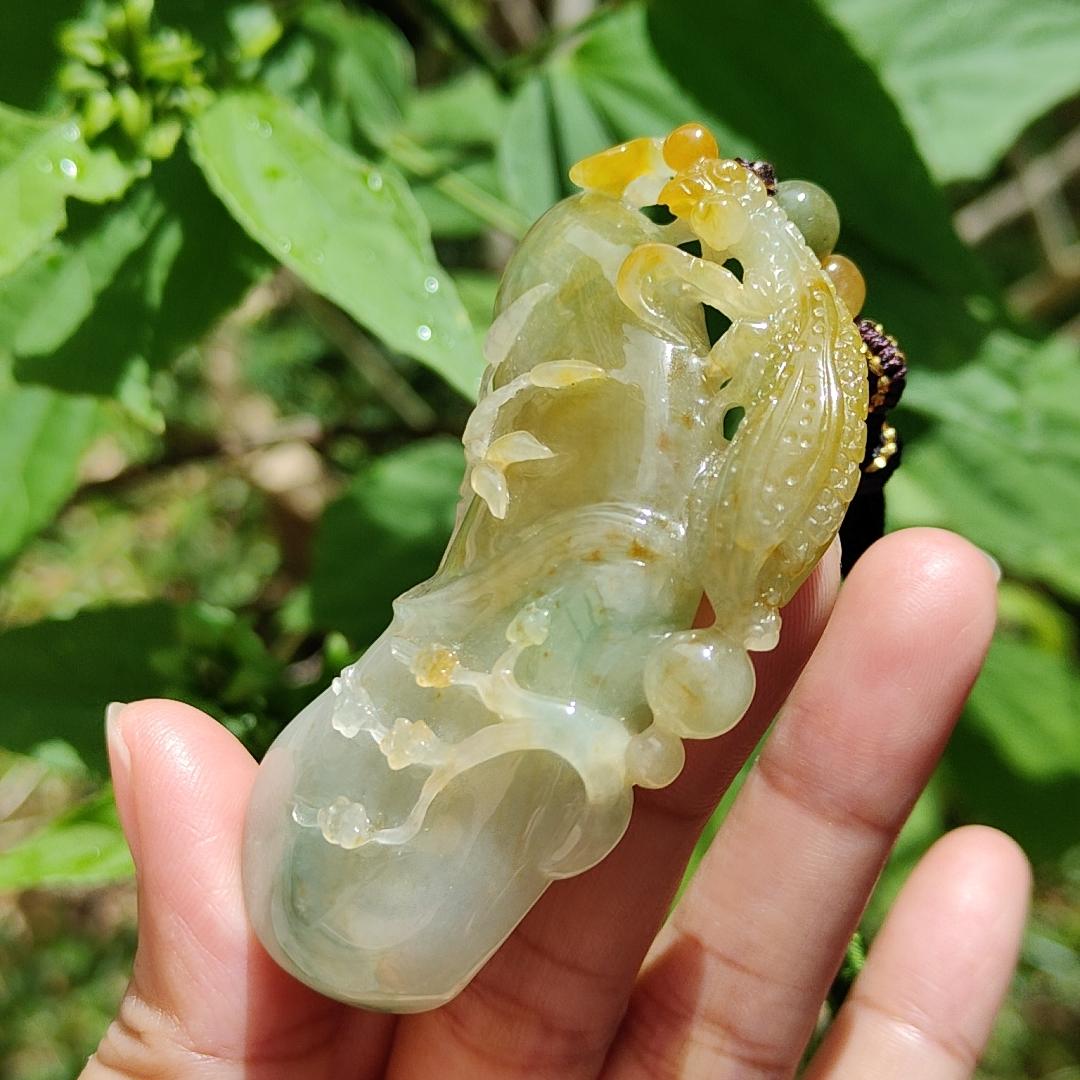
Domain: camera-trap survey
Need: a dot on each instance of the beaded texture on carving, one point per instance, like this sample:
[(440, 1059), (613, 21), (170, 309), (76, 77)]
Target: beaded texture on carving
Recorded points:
[(489, 741)]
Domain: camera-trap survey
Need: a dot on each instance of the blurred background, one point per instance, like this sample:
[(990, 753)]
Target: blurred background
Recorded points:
[(247, 253)]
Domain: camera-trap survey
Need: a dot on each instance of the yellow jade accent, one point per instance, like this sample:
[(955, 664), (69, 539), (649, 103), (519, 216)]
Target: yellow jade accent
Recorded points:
[(848, 280), (488, 743)]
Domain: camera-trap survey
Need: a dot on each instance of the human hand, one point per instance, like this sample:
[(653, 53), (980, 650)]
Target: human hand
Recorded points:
[(585, 987)]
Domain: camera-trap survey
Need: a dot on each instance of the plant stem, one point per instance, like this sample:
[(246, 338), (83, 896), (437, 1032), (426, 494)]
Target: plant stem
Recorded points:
[(369, 361)]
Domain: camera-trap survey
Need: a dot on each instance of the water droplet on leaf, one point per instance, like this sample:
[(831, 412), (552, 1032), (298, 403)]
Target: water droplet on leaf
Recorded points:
[(423, 332), (431, 284), (69, 168)]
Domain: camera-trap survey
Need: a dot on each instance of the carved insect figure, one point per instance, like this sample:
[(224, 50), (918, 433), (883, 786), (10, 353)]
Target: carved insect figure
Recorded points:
[(489, 741)]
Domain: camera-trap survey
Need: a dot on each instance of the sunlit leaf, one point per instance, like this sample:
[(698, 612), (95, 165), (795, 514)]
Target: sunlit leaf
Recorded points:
[(528, 165), (83, 847), (353, 232), (1001, 463), (968, 78), (43, 163), (1027, 700), (127, 288)]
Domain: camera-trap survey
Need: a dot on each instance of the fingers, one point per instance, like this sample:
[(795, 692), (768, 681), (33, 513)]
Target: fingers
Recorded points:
[(736, 982), (549, 1002), (925, 1002), (204, 1000)]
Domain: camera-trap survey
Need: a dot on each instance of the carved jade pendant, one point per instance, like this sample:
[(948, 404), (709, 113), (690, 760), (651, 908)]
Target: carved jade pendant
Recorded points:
[(489, 741)]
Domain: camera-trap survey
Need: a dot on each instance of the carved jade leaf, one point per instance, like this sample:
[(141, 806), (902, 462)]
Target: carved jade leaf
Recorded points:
[(488, 743)]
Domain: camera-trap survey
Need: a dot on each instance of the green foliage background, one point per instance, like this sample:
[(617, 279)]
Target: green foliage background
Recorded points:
[(247, 254)]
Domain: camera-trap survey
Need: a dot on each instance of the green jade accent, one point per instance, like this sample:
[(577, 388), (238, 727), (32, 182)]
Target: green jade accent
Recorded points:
[(812, 210)]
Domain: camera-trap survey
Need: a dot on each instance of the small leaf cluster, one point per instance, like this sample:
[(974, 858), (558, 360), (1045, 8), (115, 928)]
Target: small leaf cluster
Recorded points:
[(124, 72)]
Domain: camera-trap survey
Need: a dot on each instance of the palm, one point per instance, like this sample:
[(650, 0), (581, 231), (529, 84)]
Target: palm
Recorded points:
[(584, 987)]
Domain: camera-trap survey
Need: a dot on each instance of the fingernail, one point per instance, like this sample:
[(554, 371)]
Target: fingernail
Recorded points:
[(119, 754), (994, 564)]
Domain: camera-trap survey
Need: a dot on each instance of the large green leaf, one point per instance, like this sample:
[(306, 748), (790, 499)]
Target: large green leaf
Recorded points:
[(787, 77), (384, 535), (43, 163), (42, 439), (968, 78), (350, 230), (83, 847), (127, 287), (1001, 463), (528, 162)]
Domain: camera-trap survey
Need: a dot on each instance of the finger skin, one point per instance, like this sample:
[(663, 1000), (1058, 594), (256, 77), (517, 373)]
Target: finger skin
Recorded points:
[(205, 1001), (549, 1002), (735, 985), (925, 1003)]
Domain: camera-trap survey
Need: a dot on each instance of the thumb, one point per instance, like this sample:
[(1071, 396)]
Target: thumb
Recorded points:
[(204, 999)]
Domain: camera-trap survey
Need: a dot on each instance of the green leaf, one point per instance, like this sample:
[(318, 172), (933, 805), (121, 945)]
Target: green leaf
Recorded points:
[(43, 436), (1027, 701), (968, 80), (351, 231), (579, 129), (127, 288), (383, 536), (351, 73), (1040, 815), (527, 159), (83, 847), (789, 79), (56, 677), (1001, 463), (43, 163), (463, 112)]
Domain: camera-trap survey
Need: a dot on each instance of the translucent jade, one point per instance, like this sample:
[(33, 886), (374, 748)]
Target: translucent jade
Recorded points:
[(489, 741)]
